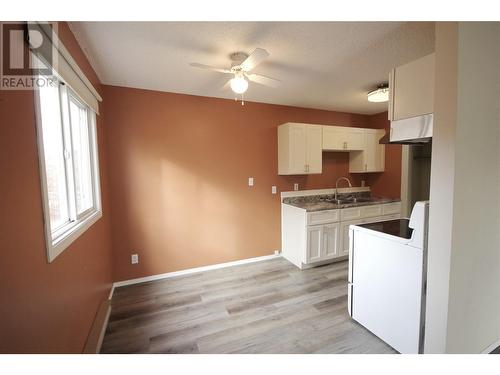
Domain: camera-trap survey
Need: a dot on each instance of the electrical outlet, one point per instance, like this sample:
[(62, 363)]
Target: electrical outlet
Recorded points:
[(250, 181), (296, 186), (276, 252), (134, 259), (274, 190)]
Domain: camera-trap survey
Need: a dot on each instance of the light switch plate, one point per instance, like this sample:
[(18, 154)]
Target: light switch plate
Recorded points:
[(250, 181), (296, 186), (274, 190)]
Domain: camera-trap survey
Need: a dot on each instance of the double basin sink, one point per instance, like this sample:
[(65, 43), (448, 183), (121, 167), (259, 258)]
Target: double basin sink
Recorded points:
[(348, 200)]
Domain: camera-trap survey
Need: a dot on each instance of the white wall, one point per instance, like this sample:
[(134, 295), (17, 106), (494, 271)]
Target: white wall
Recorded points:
[(463, 294), (442, 185)]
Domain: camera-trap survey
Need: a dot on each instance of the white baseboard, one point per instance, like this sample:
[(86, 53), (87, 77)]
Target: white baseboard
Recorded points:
[(189, 271), (492, 347), (111, 292), (103, 329), (98, 329)]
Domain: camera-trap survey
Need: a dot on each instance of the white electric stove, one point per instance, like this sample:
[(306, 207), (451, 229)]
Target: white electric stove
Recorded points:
[(387, 268)]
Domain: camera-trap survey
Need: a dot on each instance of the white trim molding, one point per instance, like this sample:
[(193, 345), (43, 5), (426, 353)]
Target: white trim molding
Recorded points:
[(189, 271), (110, 297), (98, 329)]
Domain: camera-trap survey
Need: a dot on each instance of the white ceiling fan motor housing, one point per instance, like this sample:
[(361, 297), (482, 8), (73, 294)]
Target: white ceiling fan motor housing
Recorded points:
[(237, 58)]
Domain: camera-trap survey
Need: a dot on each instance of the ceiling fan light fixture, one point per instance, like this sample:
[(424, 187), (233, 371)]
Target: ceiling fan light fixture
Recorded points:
[(239, 84), (381, 94)]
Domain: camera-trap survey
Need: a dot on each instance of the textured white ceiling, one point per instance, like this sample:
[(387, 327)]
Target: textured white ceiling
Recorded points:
[(325, 65)]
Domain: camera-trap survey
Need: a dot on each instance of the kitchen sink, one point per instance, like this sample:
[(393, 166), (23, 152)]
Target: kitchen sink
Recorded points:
[(345, 200), (350, 200)]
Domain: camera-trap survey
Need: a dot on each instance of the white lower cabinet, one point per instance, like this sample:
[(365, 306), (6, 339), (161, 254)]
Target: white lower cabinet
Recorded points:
[(310, 238), (315, 243), (344, 226), (322, 242), (331, 235), (344, 235)]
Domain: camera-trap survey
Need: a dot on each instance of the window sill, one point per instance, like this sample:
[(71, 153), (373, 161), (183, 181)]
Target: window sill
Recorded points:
[(54, 248)]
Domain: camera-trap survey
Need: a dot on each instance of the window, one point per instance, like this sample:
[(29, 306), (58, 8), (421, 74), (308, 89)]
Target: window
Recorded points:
[(67, 148)]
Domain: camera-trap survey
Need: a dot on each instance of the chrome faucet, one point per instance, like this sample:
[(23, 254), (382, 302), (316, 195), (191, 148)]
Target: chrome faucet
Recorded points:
[(337, 186)]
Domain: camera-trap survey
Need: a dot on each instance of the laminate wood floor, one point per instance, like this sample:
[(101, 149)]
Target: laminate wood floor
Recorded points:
[(263, 307)]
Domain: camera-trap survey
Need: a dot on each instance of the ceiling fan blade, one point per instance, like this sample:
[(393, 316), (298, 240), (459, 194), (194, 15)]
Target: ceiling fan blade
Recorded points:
[(203, 66), (254, 59), (263, 80), (227, 85)]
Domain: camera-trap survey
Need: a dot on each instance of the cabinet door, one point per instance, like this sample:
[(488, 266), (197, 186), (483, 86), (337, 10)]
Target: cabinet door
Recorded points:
[(315, 243), (298, 148), (379, 152), (331, 237), (374, 153), (342, 138), (412, 91), (344, 234), (334, 138), (314, 159), (355, 139)]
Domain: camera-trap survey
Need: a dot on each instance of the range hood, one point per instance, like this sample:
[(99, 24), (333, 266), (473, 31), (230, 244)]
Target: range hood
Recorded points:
[(414, 130)]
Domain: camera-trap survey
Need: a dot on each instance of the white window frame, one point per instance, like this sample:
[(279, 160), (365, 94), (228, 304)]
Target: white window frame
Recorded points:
[(59, 239)]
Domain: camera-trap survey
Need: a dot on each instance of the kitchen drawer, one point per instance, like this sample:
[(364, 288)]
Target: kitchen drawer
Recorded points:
[(322, 217), (350, 213), (391, 208), (371, 211)]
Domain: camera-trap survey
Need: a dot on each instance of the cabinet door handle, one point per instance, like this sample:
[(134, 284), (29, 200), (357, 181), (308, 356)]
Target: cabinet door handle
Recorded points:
[(345, 145)]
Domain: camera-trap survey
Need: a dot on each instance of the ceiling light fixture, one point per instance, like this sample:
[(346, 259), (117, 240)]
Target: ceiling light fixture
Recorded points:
[(239, 84), (381, 94)]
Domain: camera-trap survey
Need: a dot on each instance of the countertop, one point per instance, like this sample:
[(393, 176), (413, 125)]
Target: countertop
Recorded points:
[(321, 203)]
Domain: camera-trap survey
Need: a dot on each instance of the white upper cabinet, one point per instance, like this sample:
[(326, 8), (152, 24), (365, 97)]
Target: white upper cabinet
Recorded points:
[(372, 158), (314, 157), (299, 149), (341, 138), (411, 89)]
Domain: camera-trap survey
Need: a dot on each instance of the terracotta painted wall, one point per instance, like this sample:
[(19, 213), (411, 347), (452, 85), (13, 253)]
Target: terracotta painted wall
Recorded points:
[(179, 166), (387, 184), (45, 307)]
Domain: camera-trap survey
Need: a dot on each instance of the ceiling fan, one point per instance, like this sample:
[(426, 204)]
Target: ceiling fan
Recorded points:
[(241, 66)]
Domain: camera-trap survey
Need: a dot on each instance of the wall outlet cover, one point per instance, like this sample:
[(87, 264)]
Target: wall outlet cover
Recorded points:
[(274, 190), (134, 259), (296, 186), (250, 181)]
